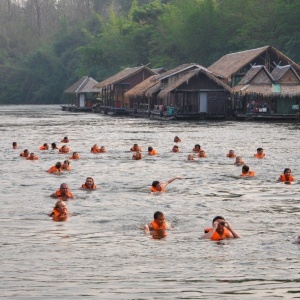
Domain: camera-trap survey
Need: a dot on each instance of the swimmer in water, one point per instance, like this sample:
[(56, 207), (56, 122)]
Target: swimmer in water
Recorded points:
[(177, 139), (175, 149), (75, 155), (25, 153), (246, 172), (259, 153), (60, 211), (287, 176), (151, 151), (137, 156), (63, 193), (65, 140), (89, 184), (158, 226), (239, 161), (66, 166), (197, 148), (32, 156), (190, 157), (136, 148), (221, 230), (55, 169), (15, 145), (231, 154), (64, 149), (45, 146), (161, 187), (202, 154)]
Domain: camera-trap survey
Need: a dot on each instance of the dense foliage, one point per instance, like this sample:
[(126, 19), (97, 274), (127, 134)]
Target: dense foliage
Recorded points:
[(47, 45)]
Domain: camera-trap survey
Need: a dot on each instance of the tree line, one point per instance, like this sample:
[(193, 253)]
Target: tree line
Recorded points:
[(47, 45)]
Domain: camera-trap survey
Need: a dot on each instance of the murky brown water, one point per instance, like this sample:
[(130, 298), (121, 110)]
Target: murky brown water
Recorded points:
[(101, 252)]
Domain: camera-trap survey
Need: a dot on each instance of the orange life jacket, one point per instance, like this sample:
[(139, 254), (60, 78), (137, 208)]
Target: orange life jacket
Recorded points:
[(157, 227), (88, 188), (139, 149), (53, 169), (259, 155), (64, 141), (65, 150), (283, 178), (217, 237), (72, 157), (239, 163), (23, 155), (59, 195), (57, 216), (95, 150), (43, 148), (249, 174), (68, 168), (152, 152), (154, 190), (32, 158), (231, 155)]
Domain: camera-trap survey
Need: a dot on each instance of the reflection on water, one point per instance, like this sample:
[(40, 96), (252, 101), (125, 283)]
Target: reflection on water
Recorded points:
[(101, 252)]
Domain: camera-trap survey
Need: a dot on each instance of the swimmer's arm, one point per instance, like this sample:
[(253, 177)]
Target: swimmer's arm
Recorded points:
[(209, 234), (234, 233), (172, 179)]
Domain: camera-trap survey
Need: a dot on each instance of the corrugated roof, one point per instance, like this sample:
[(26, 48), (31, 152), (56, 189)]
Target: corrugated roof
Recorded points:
[(83, 85), (122, 75)]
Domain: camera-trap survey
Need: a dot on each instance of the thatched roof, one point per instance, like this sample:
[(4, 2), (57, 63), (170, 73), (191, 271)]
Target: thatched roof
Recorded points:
[(121, 76), (229, 64), (152, 85), (140, 89), (256, 71), (266, 90), (185, 79), (83, 85), (179, 69), (280, 71)]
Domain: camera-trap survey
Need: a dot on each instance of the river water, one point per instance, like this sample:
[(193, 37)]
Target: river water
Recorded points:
[(101, 253)]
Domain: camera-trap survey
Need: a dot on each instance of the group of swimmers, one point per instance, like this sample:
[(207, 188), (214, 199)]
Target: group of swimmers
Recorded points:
[(221, 229)]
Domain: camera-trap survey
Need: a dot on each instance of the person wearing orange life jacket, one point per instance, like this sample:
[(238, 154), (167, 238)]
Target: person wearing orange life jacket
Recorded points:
[(239, 161), (45, 146), (202, 154), (246, 172), (197, 148), (231, 154), (136, 148), (32, 156), (65, 140), (55, 169), (64, 149), (221, 230), (66, 166), (151, 151), (60, 211), (25, 153), (15, 145), (161, 187), (63, 193), (95, 149), (89, 184), (75, 155), (137, 156), (158, 226), (287, 176), (259, 153)]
